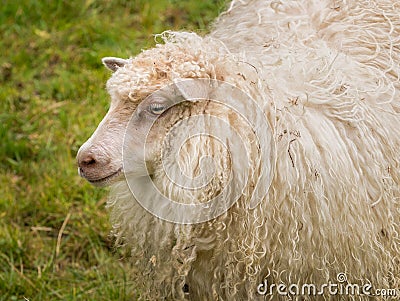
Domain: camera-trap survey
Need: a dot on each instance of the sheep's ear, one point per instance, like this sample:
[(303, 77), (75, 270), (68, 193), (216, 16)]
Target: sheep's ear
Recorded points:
[(113, 63), (193, 89)]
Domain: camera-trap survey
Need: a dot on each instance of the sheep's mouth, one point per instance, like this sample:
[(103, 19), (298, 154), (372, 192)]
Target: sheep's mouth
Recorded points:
[(107, 180)]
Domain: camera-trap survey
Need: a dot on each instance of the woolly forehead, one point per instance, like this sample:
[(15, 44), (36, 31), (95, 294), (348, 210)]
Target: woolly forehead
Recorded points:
[(156, 68)]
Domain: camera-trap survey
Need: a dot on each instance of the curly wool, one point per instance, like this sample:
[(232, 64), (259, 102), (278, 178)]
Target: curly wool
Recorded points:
[(327, 75)]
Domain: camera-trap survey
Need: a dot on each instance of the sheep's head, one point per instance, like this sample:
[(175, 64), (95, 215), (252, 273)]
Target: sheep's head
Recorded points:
[(136, 97), (172, 127)]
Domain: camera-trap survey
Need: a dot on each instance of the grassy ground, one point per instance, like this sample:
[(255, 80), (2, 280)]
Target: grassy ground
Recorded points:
[(54, 242)]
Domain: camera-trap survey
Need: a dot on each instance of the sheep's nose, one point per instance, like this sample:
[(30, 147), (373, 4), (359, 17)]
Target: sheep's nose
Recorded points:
[(87, 163), (90, 161)]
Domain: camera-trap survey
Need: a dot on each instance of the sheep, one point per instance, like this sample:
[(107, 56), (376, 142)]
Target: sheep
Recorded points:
[(322, 159)]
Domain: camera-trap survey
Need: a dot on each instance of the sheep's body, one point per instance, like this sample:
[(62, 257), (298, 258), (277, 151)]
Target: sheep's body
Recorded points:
[(327, 74)]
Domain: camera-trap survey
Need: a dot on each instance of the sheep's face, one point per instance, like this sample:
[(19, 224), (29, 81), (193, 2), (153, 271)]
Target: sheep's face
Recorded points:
[(130, 137)]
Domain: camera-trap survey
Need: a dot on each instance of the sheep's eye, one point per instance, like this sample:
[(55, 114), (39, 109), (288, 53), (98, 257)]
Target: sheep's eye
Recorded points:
[(157, 108)]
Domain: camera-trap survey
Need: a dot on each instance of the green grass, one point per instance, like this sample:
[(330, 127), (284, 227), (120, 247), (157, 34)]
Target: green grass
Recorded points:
[(54, 229)]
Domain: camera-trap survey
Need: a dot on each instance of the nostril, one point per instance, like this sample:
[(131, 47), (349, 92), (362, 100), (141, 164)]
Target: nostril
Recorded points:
[(88, 161)]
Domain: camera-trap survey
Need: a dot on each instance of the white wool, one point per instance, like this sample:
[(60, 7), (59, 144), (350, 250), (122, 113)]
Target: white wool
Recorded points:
[(327, 75)]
